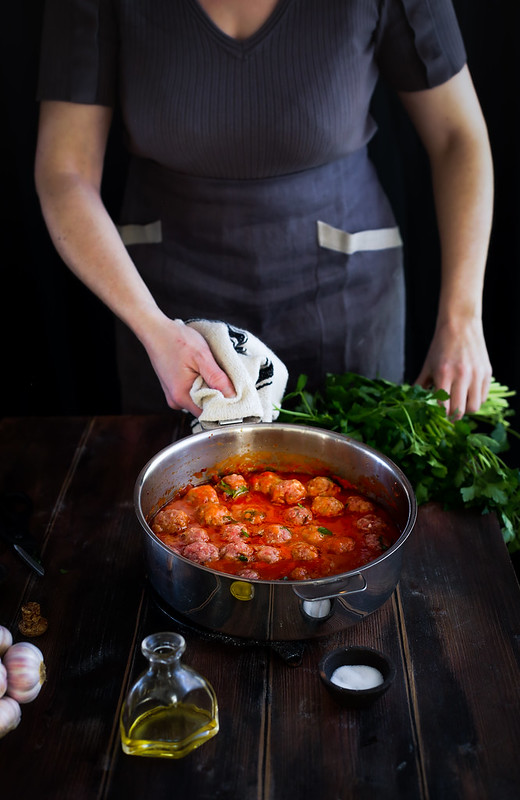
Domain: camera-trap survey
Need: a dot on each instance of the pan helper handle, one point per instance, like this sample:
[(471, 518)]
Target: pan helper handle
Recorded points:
[(332, 589)]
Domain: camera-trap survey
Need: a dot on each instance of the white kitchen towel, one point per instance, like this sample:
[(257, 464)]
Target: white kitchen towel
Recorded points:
[(258, 375)]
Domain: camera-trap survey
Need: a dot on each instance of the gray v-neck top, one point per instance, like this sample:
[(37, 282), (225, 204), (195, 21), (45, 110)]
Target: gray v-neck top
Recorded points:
[(293, 96)]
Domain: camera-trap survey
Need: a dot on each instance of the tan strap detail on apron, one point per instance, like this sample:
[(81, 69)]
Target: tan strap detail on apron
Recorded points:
[(141, 234), (343, 242)]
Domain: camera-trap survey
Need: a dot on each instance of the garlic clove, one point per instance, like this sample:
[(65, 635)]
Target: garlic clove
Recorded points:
[(3, 679), (24, 695), (6, 639), (10, 715), (25, 671)]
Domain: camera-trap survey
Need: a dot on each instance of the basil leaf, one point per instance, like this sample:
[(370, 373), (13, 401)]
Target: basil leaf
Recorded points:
[(325, 531)]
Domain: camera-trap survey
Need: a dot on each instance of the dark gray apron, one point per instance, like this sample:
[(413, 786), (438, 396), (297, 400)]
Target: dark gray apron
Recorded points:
[(311, 263)]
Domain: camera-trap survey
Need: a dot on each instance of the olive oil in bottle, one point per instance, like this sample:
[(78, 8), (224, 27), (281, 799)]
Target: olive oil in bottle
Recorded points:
[(171, 709)]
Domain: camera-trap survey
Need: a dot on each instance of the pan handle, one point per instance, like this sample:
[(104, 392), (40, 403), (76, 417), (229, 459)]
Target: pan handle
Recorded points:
[(356, 583)]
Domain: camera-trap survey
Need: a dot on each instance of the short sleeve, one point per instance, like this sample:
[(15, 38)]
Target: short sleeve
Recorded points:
[(78, 58), (419, 44)]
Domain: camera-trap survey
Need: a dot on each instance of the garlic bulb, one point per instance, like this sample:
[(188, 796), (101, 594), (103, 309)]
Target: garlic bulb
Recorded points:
[(6, 639), (25, 671), (3, 679), (10, 715)]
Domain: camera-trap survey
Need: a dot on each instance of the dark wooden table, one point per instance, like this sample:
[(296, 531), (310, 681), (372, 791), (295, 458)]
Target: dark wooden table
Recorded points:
[(448, 728)]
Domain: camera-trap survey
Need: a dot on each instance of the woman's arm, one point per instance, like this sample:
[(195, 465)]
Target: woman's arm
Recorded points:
[(69, 166), (450, 124)]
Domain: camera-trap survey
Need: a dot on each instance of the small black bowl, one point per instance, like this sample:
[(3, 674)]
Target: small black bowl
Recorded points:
[(343, 656)]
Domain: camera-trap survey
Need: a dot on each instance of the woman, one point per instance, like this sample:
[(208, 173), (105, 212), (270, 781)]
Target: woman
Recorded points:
[(250, 197)]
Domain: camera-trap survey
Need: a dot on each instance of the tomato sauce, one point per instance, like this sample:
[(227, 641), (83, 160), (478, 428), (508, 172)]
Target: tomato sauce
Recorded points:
[(275, 525)]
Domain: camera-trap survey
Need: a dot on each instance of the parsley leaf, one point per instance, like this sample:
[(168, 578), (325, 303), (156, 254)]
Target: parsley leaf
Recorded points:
[(453, 462)]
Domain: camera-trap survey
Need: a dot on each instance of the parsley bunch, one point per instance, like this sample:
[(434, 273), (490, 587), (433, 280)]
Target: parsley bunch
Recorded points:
[(453, 462)]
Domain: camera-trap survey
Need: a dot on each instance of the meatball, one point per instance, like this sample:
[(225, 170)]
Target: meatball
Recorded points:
[(377, 540), (234, 484), (194, 534), (202, 494), (201, 552), (173, 542), (340, 544), (312, 534), (299, 574), (371, 523), (275, 534), (170, 520), (263, 481), (327, 506), (360, 504), (297, 515), (236, 550), (291, 491), (270, 555), (248, 574), (323, 487), (374, 541), (304, 552), (233, 532), (253, 515), (213, 514)]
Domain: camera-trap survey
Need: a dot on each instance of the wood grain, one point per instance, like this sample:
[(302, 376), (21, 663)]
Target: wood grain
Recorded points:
[(447, 729), (460, 612)]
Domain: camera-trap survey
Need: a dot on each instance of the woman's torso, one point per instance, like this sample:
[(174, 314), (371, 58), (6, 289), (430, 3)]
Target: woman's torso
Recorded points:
[(240, 150), (293, 96)]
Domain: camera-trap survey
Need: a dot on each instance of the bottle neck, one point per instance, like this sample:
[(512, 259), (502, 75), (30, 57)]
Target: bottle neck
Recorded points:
[(163, 648)]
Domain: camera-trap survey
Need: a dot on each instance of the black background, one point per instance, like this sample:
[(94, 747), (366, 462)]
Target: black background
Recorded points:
[(57, 338)]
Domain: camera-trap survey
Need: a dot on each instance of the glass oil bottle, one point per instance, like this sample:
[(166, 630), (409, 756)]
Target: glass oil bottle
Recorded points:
[(171, 709)]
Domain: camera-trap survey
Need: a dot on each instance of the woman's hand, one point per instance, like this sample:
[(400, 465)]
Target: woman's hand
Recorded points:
[(450, 124), (457, 361), (180, 354)]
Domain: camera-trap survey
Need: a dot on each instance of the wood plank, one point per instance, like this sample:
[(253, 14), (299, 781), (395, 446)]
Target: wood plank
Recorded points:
[(321, 749), (35, 458), (452, 627), (226, 766), (90, 594), (461, 620)]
